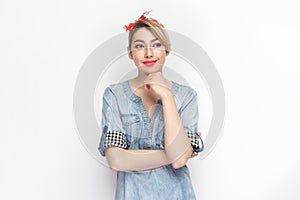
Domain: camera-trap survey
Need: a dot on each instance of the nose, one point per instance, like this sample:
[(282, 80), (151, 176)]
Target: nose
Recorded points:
[(148, 52)]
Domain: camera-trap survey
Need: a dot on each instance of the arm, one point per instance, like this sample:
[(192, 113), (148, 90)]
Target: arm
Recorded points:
[(125, 160), (121, 159), (113, 143), (177, 144)]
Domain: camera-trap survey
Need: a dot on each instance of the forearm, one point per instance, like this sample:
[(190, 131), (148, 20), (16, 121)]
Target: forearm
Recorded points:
[(177, 143), (135, 160)]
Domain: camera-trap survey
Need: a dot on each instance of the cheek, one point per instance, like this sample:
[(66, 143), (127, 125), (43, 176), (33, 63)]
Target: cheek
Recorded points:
[(137, 57), (161, 54)]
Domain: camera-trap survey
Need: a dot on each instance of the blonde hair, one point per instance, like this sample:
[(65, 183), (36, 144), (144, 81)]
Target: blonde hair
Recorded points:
[(155, 28)]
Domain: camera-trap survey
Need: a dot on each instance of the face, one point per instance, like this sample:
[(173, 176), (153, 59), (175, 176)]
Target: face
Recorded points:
[(147, 52)]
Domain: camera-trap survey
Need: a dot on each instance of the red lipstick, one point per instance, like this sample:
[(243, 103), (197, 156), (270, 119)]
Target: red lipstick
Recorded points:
[(149, 62)]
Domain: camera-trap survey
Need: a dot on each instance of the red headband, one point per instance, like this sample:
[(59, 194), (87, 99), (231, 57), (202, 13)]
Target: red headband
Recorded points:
[(143, 17)]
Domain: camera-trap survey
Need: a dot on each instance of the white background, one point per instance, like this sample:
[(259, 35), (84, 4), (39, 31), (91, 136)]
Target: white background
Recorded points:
[(254, 45)]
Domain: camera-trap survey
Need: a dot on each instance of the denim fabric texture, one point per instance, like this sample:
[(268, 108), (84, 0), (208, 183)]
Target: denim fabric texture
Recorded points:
[(123, 112)]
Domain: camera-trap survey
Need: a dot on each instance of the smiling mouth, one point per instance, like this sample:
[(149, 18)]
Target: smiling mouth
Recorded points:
[(149, 62)]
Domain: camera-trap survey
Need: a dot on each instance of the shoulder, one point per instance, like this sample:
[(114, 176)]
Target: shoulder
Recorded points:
[(115, 86), (115, 89), (182, 91)]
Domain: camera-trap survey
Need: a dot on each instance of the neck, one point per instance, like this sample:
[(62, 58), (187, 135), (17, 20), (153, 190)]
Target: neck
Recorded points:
[(138, 81)]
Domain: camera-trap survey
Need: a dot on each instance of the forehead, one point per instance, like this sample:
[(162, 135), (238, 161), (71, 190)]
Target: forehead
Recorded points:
[(143, 34)]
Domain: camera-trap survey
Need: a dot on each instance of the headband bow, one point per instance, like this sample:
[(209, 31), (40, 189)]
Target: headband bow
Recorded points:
[(143, 17)]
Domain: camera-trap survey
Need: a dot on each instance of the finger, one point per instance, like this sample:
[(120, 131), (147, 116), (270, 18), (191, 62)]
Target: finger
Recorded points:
[(149, 76), (149, 81), (194, 154), (158, 73), (199, 133)]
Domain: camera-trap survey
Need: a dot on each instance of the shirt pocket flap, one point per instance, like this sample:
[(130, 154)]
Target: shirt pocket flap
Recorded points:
[(129, 119)]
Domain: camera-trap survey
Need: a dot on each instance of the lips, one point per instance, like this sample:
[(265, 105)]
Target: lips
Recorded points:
[(149, 62)]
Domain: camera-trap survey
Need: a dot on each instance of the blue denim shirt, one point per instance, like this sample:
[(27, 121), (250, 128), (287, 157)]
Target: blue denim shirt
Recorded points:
[(123, 112)]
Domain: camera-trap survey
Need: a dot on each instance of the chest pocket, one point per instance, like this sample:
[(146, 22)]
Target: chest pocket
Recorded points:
[(132, 126)]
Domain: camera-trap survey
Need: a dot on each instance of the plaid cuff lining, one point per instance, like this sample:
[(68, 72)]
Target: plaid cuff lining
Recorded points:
[(195, 142), (115, 138)]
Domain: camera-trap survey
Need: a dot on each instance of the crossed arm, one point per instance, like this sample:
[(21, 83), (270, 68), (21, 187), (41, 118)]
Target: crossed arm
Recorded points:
[(178, 148), (134, 160)]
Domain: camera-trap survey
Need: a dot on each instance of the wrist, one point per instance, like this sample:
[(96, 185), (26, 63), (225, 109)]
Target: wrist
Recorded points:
[(167, 95)]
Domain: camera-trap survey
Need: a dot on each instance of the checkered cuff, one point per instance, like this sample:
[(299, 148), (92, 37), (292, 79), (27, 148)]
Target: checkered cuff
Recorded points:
[(195, 142), (115, 139)]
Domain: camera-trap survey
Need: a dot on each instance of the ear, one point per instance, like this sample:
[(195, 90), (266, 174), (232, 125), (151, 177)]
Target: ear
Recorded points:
[(129, 52), (167, 53)]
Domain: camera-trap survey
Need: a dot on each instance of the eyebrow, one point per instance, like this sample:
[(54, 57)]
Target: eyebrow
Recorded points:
[(144, 41)]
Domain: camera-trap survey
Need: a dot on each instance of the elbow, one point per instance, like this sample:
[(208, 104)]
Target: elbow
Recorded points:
[(182, 160), (114, 162), (113, 165), (179, 163)]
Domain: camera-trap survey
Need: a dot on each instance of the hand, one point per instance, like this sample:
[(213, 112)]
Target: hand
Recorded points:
[(198, 135), (156, 85)]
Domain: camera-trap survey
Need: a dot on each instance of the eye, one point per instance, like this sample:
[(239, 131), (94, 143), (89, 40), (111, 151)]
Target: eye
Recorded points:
[(157, 44), (139, 46)]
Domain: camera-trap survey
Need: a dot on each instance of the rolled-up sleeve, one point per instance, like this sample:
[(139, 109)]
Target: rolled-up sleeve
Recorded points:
[(189, 117), (113, 133)]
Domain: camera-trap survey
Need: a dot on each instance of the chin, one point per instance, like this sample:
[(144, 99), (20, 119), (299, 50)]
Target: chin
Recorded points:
[(151, 71)]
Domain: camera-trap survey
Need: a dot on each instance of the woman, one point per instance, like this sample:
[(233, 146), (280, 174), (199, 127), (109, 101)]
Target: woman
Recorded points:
[(149, 123)]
